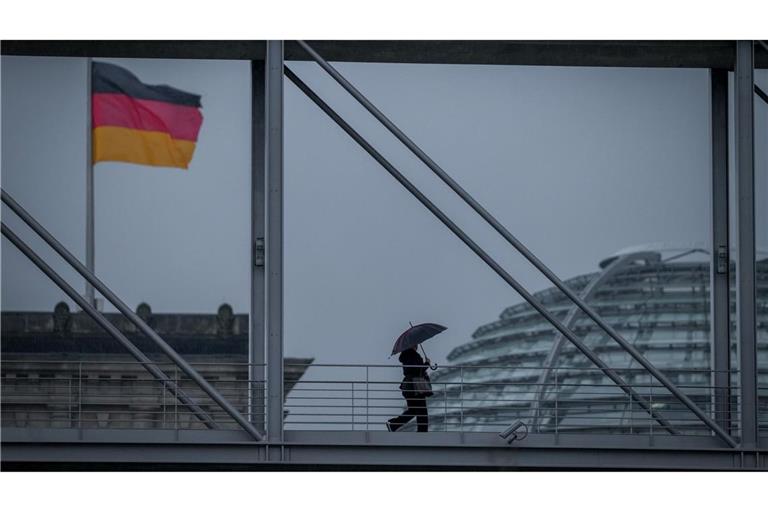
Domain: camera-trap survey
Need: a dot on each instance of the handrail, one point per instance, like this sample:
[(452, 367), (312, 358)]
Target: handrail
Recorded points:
[(568, 333), (147, 363), (133, 317), (515, 242)]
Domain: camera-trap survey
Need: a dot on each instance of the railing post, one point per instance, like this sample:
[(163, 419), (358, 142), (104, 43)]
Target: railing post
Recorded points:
[(367, 419), (80, 394), (650, 393), (461, 398), (176, 399), (557, 398), (163, 389), (629, 414), (445, 406), (353, 405)]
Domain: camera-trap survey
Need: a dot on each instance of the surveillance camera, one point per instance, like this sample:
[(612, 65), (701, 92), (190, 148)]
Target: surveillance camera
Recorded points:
[(512, 432)]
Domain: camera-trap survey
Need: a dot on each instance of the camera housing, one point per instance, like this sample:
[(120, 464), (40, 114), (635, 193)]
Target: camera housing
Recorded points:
[(512, 433)]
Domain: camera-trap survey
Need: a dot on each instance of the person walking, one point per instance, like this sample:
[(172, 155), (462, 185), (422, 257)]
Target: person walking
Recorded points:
[(415, 389)]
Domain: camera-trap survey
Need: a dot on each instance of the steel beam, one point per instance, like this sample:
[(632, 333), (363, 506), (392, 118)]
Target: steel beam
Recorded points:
[(274, 240), (257, 336), (131, 315), (666, 54), (99, 318), (490, 219), (745, 231), (720, 330), (589, 353), (44, 448)]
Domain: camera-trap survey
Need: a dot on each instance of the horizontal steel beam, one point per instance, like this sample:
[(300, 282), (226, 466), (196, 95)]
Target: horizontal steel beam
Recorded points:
[(665, 54), (42, 448)]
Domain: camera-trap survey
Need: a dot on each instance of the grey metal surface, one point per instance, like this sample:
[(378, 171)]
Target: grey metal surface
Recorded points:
[(274, 239), (90, 206), (512, 240), (674, 54), (147, 363), (719, 267), (257, 345), (589, 353), (745, 263), (133, 317), (570, 320), (372, 450)]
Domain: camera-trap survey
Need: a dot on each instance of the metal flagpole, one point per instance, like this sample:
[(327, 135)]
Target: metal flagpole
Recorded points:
[(89, 185)]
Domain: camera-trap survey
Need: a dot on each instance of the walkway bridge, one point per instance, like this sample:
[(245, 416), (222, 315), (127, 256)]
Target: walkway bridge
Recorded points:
[(174, 417)]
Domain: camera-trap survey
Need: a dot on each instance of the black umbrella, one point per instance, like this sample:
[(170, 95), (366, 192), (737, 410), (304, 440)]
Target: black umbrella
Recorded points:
[(415, 336)]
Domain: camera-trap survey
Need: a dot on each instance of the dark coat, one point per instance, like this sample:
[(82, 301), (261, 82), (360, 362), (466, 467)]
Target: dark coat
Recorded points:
[(413, 364)]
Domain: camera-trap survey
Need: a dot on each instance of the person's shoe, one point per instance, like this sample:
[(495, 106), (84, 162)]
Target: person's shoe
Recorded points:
[(390, 427)]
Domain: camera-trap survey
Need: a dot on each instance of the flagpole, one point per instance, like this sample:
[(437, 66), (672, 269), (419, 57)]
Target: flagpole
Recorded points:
[(89, 185)]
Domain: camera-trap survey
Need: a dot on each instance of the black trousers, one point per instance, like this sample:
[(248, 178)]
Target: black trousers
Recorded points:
[(417, 408)]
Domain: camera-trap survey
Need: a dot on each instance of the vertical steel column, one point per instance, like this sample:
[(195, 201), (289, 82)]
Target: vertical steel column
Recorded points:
[(719, 265), (256, 373), (274, 240), (745, 232)]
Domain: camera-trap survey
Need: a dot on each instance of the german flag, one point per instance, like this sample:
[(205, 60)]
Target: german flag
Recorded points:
[(139, 123)]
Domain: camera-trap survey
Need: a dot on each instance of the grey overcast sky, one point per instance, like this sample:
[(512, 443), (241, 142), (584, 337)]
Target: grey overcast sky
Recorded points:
[(577, 162)]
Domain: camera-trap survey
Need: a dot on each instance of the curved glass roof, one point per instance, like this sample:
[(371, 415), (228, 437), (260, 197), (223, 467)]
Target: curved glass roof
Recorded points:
[(658, 300)]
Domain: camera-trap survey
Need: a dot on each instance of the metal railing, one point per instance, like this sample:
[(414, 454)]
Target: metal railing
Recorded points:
[(122, 394), (489, 398), (353, 397)]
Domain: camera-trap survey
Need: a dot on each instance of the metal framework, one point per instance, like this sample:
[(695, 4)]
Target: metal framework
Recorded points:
[(123, 308), (742, 449)]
